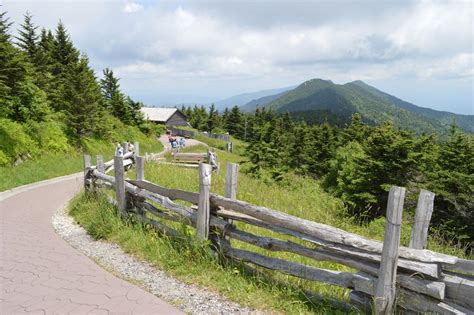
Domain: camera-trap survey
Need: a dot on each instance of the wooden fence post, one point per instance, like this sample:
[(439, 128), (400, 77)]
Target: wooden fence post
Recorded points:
[(203, 215), (87, 169), (125, 147), (100, 163), (231, 180), (120, 184), (137, 148), (385, 291), (424, 209), (140, 168)]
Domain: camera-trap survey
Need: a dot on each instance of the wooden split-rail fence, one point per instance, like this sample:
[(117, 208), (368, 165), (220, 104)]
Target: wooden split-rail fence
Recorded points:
[(390, 277)]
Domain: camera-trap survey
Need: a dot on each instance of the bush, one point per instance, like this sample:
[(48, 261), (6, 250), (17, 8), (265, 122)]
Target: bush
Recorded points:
[(15, 143), (50, 136), (4, 160)]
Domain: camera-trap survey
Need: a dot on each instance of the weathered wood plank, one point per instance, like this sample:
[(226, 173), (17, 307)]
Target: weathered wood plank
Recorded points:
[(204, 209), (159, 227), (324, 232), (184, 155), (140, 168), (231, 180), (428, 269), (136, 151), (432, 288), (342, 279), (120, 185), (186, 212), (385, 293), (100, 163), (460, 290), (362, 301), (424, 209), (422, 303), (462, 266), (169, 215), (125, 147), (87, 170), (173, 194)]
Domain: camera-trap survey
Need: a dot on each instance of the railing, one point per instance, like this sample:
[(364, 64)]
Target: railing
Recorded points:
[(413, 278), (190, 134)]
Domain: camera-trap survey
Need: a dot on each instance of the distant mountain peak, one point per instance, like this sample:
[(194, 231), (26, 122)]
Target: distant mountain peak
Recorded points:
[(323, 96)]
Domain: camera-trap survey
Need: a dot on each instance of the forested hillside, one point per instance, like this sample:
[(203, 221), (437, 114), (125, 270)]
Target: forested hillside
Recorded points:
[(51, 99), (317, 99), (358, 162)]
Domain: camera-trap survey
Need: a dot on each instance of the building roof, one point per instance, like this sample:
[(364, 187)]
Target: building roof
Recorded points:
[(160, 114)]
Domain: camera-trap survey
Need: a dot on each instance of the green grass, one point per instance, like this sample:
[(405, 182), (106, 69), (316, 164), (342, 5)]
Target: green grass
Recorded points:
[(189, 261), (58, 164)]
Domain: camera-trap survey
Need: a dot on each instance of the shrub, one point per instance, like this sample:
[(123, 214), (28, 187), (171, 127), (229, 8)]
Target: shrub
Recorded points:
[(50, 136), (15, 141)]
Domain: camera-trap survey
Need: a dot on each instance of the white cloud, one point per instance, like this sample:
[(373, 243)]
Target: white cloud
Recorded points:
[(132, 7), (263, 47)]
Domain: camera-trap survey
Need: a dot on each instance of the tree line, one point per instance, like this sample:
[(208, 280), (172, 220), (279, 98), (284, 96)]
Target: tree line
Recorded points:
[(358, 163), (48, 90)]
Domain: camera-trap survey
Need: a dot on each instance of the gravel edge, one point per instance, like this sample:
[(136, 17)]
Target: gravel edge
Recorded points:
[(189, 298)]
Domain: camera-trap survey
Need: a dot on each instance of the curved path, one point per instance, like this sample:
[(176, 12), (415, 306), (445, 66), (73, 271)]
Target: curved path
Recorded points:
[(40, 272)]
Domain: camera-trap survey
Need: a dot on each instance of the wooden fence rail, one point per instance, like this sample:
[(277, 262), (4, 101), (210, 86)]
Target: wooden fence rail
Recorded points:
[(388, 275)]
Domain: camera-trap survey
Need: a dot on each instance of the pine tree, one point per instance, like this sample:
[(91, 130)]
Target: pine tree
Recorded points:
[(114, 99), (453, 184), (83, 100), (356, 130), (135, 110), (234, 123), (213, 119), (28, 39), (20, 99), (65, 57)]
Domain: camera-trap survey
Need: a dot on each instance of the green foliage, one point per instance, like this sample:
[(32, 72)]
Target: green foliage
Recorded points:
[(15, 143), (4, 160), (346, 177), (453, 183), (28, 39), (50, 136)]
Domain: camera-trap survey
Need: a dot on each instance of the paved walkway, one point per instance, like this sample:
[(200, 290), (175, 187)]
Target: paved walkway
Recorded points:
[(40, 273), (189, 142)]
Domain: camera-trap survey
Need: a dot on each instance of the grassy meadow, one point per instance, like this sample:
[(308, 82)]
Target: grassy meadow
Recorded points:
[(192, 263)]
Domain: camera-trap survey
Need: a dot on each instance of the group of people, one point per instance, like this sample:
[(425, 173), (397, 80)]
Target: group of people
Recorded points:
[(176, 143), (119, 150)]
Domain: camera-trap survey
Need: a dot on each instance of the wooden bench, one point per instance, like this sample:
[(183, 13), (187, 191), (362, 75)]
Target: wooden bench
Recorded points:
[(190, 158)]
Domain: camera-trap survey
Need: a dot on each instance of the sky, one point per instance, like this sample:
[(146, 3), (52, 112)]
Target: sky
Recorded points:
[(168, 52)]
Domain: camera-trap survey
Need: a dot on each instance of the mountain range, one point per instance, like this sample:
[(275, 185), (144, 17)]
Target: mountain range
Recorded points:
[(242, 99), (320, 100)]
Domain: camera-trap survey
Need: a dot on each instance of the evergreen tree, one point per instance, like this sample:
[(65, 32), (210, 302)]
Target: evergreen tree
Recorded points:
[(453, 184), (298, 150), (20, 99), (28, 39), (234, 123), (115, 100), (83, 100), (321, 149), (135, 110), (356, 130), (213, 119), (65, 57)]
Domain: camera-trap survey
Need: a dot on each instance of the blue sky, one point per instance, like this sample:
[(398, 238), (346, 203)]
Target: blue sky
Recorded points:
[(202, 51)]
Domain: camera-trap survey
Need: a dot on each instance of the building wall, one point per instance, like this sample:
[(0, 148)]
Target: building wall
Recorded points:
[(177, 119)]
